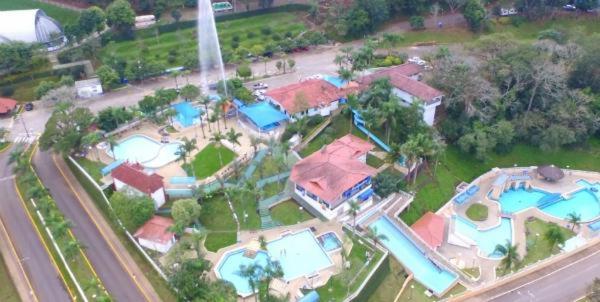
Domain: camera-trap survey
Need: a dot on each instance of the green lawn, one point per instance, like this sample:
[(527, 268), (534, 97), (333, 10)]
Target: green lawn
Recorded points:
[(61, 15), (472, 271), (208, 161), (245, 208), (216, 217), (538, 247), (8, 292), (340, 126), (415, 291), (288, 213), (477, 212), (455, 166), (391, 284), (25, 91), (340, 285), (184, 41), (92, 167), (374, 161)]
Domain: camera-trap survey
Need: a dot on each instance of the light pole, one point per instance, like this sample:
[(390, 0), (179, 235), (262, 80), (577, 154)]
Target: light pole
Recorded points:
[(24, 126)]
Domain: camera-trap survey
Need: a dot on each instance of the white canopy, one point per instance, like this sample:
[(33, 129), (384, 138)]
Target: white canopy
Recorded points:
[(30, 26)]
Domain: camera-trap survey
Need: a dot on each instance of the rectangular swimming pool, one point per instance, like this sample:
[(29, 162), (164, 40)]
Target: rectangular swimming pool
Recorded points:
[(424, 270)]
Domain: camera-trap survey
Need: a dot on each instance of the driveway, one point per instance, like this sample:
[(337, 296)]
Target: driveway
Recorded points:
[(112, 269), (35, 260)]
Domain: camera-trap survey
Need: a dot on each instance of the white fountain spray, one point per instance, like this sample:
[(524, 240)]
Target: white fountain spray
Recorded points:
[(209, 50)]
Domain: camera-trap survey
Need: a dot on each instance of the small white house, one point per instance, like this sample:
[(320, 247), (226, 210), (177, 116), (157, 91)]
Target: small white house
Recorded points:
[(155, 234), (88, 88), (132, 178)]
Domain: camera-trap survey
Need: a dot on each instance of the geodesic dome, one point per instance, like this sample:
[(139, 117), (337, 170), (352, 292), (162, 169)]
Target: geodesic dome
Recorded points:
[(30, 26)]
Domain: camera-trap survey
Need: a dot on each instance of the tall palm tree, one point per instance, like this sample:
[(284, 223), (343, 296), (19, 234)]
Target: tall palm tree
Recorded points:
[(554, 236), (205, 100), (254, 142), (574, 219), (301, 125), (112, 143), (345, 74), (217, 139), (272, 270), (175, 75), (182, 154), (391, 41), (411, 150), (169, 114), (252, 189), (233, 137), (511, 256), (92, 139), (352, 103), (395, 153), (250, 273), (371, 117), (375, 236), (354, 208), (389, 112), (216, 117)]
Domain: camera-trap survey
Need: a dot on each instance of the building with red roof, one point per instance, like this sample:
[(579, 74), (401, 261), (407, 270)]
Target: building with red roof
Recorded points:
[(133, 179), (309, 97), (430, 227), (155, 234), (405, 80), (331, 177), (7, 106)]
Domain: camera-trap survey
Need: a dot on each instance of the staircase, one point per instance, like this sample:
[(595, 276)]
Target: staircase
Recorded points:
[(266, 221)]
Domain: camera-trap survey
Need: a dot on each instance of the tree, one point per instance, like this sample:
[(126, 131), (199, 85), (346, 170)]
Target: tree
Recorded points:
[(92, 139), (252, 274), (510, 254), (574, 219), (43, 88), (16, 56), (120, 16), (474, 13), (190, 278), (148, 105), (244, 71), (65, 128), (190, 92), (233, 137), (554, 235), (417, 22), (185, 212), (593, 292), (386, 183), (71, 248), (584, 72), (271, 271), (453, 5), (390, 41), (217, 139), (175, 74), (291, 63), (133, 210), (375, 236), (176, 14), (108, 77), (354, 207), (92, 20), (63, 94), (412, 150)]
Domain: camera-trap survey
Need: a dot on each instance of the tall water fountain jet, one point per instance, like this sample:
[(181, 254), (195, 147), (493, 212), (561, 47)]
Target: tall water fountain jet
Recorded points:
[(209, 49)]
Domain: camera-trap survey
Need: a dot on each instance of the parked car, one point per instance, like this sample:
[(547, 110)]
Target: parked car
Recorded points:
[(212, 86), (29, 106), (570, 7), (260, 86), (417, 60)]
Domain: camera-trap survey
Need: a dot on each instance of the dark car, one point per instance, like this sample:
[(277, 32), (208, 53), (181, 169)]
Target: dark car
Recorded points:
[(28, 106)]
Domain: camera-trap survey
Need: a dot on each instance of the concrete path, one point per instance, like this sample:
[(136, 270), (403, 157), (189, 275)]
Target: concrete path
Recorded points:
[(115, 267), (32, 259)]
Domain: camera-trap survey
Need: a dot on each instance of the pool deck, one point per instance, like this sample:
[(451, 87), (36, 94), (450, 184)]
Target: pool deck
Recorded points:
[(462, 257)]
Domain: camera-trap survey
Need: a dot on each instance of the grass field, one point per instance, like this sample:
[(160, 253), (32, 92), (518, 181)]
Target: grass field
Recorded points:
[(340, 126), (8, 292), (455, 166), (477, 212), (538, 247), (93, 168), (288, 213), (60, 14), (415, 291), (217, 218), (206, 162), (184, 41), (391, 284)]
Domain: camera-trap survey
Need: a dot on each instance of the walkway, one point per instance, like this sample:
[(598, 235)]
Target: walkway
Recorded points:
[(253, 165)]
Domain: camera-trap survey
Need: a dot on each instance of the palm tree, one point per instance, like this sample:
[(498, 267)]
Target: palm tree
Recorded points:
[(71, 248), (354, 208), (112, 143), (375, 236), (272, 271), (411, 150), (92, 139), (252, 189), (169, 114), (175, 75), (511, 256), (263, 242), (285, 148), (250, 273), (216, 139), (254, 142), (574, 219), (352, 103), (233, 137), (391, 41), (370, 116), (189, 144), (554, 236), (301, 125), (395, 153), (345, 74), (182, 154), (216, 117), (205, 100), (389, 112)]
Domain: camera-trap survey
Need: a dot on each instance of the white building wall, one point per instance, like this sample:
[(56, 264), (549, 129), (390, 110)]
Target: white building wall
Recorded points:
[(341, 209), (429, 110), (89, 91), (157, 246), (158, 196)]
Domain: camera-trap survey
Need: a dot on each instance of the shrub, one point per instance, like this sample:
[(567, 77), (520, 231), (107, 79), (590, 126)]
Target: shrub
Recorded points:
[(235, 45), (517, 20), (7, 90), (132, 210), (314, 120), (288, 34), (266, 30), (250, 34), (235, 38), (552, 34), (276, 37), (417, 22)]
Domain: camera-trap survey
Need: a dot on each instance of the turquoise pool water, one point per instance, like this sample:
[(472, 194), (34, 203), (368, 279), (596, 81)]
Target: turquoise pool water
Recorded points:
[(488, 239), (146, 151), (230, 267), (299, 255), (329, 241), (335, 81), (425, 271), (584, 202)]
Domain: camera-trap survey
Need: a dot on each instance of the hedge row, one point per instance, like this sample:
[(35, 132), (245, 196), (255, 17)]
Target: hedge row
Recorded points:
[(74, 71)]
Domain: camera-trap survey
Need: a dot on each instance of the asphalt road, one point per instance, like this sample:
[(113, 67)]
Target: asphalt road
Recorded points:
[(45, 280), (107, 265), (565, 280)]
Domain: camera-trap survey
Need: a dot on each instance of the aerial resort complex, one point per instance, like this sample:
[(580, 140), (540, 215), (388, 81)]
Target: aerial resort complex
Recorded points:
[(301, 151)]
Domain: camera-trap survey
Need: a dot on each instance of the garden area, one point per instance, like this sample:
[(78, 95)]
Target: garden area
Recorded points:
[(8, 292), (540, 245), (477, 212), (208, 161), (251, 33), (62, 15), (340, 125), (289, 212), (433, 191)]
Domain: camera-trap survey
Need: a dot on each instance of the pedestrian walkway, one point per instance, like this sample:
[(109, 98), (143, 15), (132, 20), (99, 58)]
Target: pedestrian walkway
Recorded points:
[(252, 167), (278, 177), (266, 221)]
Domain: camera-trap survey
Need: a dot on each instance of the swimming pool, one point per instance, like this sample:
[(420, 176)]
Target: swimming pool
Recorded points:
[(486, 240), (299, 254), (335, 81), (329, 241), (230, 267), (584, 202), (187, 115), (144, 150), (424, 270)]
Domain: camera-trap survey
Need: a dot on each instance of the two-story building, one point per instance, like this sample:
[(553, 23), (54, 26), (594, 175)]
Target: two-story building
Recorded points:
[(132, 178), (406, 83), (327, 180)]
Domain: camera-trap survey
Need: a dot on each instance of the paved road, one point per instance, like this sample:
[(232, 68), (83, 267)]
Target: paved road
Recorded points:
[(565, 280), (35, 260), (115, 277)]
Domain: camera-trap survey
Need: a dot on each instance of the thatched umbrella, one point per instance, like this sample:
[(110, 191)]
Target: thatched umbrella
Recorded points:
[(550, 172)]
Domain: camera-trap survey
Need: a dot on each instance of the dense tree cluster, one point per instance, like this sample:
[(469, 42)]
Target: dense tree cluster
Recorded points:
[(132, 209), (507, 91)]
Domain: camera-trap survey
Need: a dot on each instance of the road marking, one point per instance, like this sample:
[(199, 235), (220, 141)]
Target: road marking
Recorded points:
[(14, 250), (544, 276), (73, 298), (133, 277), (7, 178)]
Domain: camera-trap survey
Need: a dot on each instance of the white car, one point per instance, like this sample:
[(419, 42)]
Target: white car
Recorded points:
[(260, 86), (418, 61)]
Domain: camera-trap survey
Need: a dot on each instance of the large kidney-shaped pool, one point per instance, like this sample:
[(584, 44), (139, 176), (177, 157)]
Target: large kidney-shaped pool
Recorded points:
[(146, 151)]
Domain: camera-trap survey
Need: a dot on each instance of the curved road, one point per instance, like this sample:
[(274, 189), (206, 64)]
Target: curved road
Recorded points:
[(109, 265), (35, 260)]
